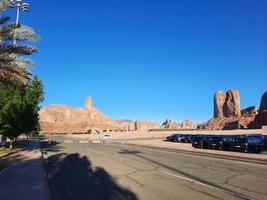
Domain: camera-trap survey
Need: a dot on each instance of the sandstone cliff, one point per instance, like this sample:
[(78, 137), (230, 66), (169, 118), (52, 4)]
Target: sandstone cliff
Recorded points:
[(227, 104), (65, 119), (227, 113)]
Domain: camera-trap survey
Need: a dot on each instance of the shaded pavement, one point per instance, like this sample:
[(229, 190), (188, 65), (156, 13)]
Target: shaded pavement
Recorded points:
[(25, 177), (72, 177)]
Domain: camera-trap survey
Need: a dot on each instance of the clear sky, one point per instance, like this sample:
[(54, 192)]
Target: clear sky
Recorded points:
[(150, 59)]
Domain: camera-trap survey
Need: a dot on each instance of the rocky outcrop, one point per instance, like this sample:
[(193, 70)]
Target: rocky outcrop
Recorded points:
[(146, 125), (263, 105), (228, 123), (65, 119), (169, 124), (227, 104), (232, 107), (186, 124), (227, 113), (219, 103), (88, 105), (262, 116), (249, 111), (126, 125)]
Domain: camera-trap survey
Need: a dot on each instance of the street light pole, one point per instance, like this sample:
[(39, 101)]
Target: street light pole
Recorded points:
[(17, 18), (19, 5)]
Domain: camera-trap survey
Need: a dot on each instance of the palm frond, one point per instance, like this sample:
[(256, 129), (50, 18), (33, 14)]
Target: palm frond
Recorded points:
[(4, 4), (17, 49)]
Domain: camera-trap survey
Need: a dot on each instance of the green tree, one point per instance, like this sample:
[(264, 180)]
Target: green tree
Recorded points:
[(20, 93), (20, 107)]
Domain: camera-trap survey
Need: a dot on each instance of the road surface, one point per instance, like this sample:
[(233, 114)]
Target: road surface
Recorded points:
[(114, 171)]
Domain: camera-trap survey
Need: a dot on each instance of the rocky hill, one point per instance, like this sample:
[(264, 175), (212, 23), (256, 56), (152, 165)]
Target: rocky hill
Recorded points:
[(65, 119), (228, 115)]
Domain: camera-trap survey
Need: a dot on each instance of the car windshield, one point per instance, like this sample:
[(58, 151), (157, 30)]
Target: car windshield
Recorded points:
[(254, 140), (240, 140)]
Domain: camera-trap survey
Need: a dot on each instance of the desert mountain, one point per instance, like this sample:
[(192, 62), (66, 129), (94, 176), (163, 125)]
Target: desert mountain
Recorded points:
[(58, 118)]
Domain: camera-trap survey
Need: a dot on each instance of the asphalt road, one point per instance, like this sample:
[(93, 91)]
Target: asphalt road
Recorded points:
[(113, 171)]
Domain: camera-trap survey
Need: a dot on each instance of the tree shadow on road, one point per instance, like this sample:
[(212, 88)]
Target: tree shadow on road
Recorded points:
[(181, 172), (72, 177)]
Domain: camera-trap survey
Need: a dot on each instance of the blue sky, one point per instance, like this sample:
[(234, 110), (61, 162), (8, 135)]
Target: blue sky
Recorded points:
[(150, 59)]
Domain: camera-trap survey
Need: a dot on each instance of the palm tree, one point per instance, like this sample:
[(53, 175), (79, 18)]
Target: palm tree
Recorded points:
[(14, 67), (13, 64)]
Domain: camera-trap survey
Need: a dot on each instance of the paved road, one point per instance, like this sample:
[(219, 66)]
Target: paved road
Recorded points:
[(112, 171)]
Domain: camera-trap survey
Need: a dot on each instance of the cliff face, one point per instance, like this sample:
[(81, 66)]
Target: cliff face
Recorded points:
[(227, 104), (228, 115), (65, 119), (261, 118)]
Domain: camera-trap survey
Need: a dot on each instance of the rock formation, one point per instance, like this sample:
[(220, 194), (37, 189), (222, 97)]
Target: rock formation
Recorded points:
[(169, 124), (186, 124), (263, 105), (249, 111), (227, 104), (126, 125), (219, 103), (227, 113), (262, 116), (146, 125), (65, 119), (88, 104)]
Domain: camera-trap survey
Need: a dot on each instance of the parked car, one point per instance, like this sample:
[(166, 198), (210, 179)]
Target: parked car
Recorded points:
[(215, 142), (226, 143), (200, 141), (107, 137), (264, 142), (248, 143), (172, 137), (184, 138)]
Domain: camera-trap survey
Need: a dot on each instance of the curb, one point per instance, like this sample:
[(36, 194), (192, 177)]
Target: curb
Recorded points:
[(83, 141), (206, 154)]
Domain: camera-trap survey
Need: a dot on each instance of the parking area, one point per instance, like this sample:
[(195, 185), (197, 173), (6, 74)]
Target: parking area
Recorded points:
[(199, 146), (187, 148), (249, 143)]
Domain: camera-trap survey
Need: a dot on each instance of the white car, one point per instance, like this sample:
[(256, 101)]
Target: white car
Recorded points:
[(107, 137)]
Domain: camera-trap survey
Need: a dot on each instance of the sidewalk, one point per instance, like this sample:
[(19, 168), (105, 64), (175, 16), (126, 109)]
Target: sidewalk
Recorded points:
[(187, 148), (25, 177)]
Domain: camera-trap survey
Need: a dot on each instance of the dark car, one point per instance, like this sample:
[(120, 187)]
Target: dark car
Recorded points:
[(248, 143), (215, 142), (227, 142), (264, 141), (200, 141), (172, 137), (184, 138)]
